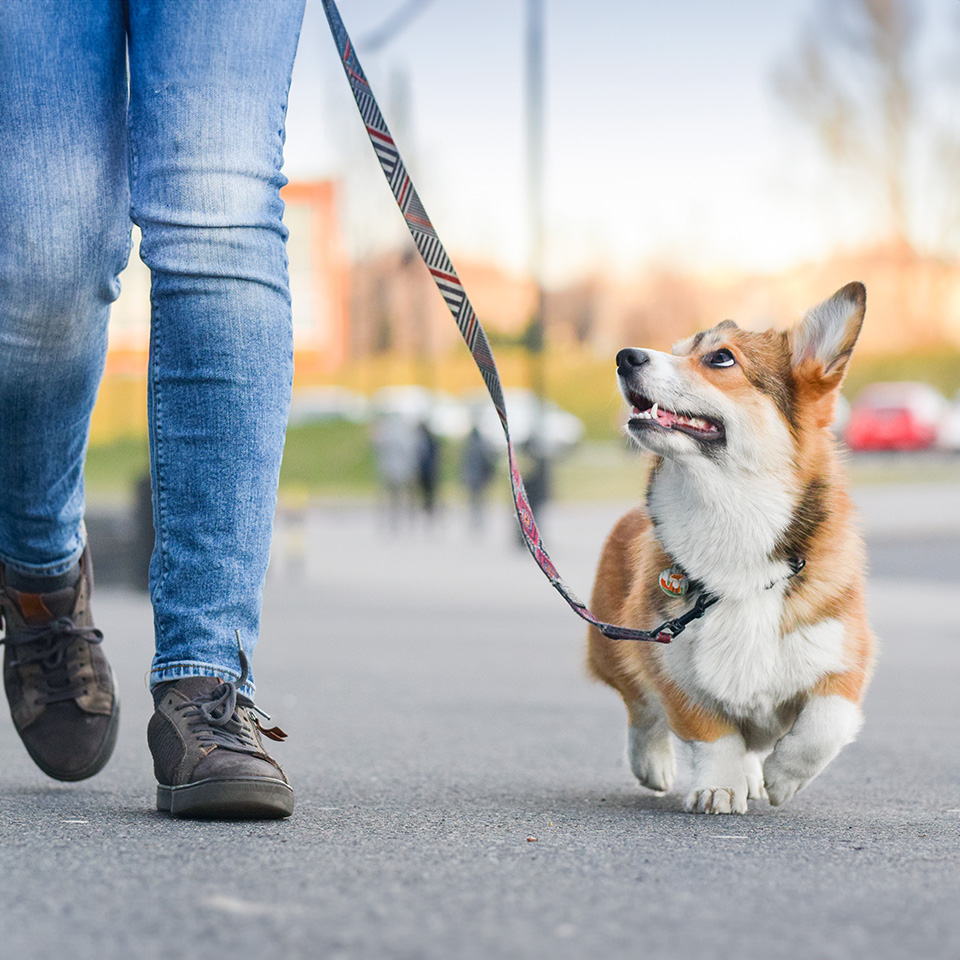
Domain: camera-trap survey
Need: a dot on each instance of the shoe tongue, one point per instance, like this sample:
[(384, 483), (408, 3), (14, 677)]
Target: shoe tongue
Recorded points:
[(191, 687), (41, 608)]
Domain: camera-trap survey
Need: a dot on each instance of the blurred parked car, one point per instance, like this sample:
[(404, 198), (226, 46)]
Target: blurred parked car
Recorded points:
[(895, 416), (320, 404), (536, 423), (948, 437)]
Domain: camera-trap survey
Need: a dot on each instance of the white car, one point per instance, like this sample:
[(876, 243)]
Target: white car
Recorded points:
[(948, 433)]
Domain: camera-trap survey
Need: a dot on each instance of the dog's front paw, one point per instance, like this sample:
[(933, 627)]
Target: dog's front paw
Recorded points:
[(825, 724), (781, 783), (716, 800), (718, 762), (652, 758)]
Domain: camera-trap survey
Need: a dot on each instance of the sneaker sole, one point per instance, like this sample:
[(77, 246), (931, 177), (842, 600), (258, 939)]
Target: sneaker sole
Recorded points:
[(251, 798), (98, 762)]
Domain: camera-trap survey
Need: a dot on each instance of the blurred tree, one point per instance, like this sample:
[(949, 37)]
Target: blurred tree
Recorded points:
[(850, 81)]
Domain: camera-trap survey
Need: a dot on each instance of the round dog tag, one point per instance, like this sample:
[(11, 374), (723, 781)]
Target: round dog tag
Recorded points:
[(674, 582)]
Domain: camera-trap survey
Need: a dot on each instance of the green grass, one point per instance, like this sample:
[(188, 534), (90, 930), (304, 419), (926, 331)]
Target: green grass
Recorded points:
[(334, 458), (598, 470), (113, 470)]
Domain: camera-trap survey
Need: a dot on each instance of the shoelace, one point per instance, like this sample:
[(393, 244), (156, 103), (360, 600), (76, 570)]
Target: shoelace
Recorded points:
[(49, 647), (216, 720)]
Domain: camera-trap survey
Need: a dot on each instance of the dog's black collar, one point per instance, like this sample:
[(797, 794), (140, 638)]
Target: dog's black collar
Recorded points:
[(670, 629)]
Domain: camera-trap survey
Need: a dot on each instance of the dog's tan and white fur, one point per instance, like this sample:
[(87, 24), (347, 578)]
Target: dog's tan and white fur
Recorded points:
[(766, 687)]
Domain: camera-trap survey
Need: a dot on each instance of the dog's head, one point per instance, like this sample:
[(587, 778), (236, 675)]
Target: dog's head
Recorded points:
[(733, 395)]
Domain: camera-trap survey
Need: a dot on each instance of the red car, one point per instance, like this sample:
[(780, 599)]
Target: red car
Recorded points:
[(895, 416)]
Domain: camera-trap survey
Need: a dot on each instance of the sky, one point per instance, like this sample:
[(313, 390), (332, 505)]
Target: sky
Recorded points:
[(663, 139)]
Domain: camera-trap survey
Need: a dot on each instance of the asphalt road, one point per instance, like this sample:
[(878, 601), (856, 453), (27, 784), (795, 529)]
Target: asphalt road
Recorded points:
[(462, 790)]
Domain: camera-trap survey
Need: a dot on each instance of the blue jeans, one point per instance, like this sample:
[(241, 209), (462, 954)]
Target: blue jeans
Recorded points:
[(193, 158)]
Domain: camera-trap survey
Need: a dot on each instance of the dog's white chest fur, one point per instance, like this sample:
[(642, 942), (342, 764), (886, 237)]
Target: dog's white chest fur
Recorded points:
[(725, 533), (737, 657)]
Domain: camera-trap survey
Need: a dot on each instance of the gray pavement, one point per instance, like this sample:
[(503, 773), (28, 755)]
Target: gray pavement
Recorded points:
[(462, 790)]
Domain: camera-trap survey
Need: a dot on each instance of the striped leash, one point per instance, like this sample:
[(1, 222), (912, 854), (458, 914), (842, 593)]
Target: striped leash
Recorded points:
[(441, 269)]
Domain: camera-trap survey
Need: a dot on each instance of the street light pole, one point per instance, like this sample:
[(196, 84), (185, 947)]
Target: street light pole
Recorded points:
[(534, 118), (538, 477)]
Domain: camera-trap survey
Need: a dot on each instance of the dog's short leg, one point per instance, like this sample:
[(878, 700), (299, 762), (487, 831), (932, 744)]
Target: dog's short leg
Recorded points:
[(719, 777), (649, 746), (824, 727), (753, 769)]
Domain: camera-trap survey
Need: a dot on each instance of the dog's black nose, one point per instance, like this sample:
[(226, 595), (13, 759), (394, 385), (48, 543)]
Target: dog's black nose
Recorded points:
[(630, 358)]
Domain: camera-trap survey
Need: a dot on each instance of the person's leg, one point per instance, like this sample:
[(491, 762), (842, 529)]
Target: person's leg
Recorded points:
[(209, 82), (64, 238)]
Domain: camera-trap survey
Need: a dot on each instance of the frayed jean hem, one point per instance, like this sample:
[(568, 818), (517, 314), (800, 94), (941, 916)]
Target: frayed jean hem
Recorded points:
[(179, 671)]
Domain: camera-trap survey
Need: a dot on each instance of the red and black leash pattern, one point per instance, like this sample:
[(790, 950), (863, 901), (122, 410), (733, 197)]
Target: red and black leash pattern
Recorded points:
[(445, 276)]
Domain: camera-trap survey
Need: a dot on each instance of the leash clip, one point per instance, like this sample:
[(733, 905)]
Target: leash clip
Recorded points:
[(671, 630)]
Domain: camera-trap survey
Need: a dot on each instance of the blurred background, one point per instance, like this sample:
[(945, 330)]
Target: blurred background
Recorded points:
[(602, 175)]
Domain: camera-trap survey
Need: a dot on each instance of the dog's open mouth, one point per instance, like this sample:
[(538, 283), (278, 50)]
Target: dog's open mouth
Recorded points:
[(646, 413)]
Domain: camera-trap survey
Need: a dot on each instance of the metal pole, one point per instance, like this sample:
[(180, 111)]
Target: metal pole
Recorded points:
[(534, 112), (538, 478)]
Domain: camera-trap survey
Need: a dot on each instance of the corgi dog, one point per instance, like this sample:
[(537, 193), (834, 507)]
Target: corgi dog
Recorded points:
[(746, 505)]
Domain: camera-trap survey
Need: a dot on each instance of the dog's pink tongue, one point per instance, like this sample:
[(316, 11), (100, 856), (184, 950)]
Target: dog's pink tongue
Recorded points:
[(666, 418)]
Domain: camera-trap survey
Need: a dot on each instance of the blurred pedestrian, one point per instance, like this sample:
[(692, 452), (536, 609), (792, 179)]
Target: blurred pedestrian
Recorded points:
[(476, 471), (395, 447), (169, 114), (428, 467)]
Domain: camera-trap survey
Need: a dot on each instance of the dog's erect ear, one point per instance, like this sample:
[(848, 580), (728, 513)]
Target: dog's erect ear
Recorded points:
[(822, 342)]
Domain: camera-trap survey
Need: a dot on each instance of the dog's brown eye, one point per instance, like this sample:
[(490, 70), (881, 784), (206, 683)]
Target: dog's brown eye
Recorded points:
[(720, 358)]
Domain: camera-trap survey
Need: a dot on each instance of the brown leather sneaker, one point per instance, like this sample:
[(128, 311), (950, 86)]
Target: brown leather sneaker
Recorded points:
[(58, 682), (208, 754)]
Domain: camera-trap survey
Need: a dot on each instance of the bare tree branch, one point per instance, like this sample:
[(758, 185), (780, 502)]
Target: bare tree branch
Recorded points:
[(850, 82)]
